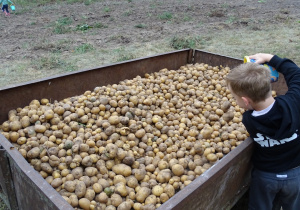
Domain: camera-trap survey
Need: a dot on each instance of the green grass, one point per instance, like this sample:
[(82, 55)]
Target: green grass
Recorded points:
[(187, 18), (141, 25), (231, 19), (48, 62), (61, 26), (84, 48), (100, 25), (166, 16), (106, 9), (184, 42), (83, 27)]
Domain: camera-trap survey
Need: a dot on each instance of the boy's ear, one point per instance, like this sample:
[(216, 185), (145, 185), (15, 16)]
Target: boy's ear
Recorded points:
[(246, 100)]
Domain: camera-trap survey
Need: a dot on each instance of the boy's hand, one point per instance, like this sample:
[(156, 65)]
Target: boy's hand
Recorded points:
[(261, 57)]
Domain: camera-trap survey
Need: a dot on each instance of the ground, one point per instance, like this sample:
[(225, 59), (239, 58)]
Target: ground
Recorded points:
[(40, 40), (43, 39)]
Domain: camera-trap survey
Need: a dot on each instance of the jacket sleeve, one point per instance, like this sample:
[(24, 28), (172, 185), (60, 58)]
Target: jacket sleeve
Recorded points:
[(291, 74)]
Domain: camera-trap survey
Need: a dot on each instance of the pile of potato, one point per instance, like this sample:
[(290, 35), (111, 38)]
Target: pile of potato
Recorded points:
[(131, 145)]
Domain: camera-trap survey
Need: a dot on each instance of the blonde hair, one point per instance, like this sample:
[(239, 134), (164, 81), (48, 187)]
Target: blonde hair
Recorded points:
[(251, 80)]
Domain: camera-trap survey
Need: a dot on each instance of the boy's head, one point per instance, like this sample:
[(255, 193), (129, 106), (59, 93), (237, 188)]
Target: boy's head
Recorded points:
[(249, 81)]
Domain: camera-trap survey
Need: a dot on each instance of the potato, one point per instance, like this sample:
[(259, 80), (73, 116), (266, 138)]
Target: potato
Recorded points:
[(39, 128), (77, 172), (126, 205), (87, 161), (86, 180), (104, 183), (169, 190), (212, 157), (90, 194), (110, 207), (70, 186), (225, 106), (119, 178), (33, 153), (47, 168), (74, 200), (84, 203), (151, 199), (138, 206), (206, 132), (67, 199), (25, 121), (111, 150), (54, 161), (56, 182), (164, 197), (164, 176), (97, 187), (178, 169), (80, 189), (132, 181), (90, 171), (102, 198), (116, 200), (122, 169), (157, 190), (120, 188), (140, 174), (142, 194), (228, 116), (49, 114), (15, 125), (114, 120)]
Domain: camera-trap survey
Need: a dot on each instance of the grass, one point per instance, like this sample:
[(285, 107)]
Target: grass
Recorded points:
[(140, 25), (166, 16), (100, 25), (84, 48), (237, 45), (184, 42), (61, 26), (106, 9), (70, 55)]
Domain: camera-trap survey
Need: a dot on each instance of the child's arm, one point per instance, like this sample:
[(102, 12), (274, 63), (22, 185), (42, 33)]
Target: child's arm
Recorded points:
[(288, 68), (261, 57)]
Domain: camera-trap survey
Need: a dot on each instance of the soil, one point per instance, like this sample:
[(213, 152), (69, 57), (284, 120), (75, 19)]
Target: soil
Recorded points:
[(33, 33)]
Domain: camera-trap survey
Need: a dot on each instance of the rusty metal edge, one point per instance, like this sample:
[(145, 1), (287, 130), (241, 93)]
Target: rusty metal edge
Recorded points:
[(47, 191), (215, 59)]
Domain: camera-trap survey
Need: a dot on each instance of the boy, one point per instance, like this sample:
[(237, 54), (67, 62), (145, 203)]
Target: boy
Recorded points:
[(274, 125), (5, 6)]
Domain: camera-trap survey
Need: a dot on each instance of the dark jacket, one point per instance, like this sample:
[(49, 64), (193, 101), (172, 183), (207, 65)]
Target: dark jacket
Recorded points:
[(276, 133)]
